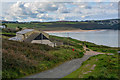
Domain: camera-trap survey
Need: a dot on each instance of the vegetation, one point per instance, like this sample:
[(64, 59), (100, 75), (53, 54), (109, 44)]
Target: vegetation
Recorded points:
[(97, 48), (101, 48), (7, 33), (101, 67), (70, 25), (22, 59)]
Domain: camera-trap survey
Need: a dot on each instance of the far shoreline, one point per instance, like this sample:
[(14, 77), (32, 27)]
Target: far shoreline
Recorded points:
[(77, 30)]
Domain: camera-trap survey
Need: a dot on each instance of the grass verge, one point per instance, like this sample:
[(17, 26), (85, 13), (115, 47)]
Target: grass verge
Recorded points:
[(98, 67)]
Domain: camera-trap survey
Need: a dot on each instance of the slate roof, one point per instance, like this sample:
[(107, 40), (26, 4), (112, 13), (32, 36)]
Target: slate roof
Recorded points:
[(15, 38), (25, 31)]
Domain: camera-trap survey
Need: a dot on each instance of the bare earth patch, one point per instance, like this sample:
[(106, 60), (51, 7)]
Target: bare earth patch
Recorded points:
[(87, 72), (90, 52), (93, 67)]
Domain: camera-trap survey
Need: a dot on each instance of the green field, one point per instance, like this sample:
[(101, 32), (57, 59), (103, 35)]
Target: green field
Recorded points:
[(63, 25)]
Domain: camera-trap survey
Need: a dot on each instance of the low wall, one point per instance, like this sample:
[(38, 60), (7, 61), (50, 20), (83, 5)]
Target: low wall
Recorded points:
[(46, 42)]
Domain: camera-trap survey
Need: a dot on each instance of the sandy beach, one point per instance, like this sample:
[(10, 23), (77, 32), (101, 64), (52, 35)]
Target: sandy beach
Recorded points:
[(62, 31)]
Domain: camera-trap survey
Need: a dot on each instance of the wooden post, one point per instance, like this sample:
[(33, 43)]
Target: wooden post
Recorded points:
[(54, 44)]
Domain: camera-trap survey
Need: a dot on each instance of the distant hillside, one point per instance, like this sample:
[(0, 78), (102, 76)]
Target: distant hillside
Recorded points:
[(67, 25)]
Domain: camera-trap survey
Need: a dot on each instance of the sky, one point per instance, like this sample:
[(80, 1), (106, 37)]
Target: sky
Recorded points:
[(54, 11)]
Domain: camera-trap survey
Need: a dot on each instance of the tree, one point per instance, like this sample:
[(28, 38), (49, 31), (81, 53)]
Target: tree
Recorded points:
[(18, 28), (4, 25)]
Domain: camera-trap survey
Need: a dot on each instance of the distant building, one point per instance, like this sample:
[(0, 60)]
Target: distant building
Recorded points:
[(33, 36), (2, 27)]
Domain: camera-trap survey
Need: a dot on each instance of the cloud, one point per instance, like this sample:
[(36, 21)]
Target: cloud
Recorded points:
[(51, 11)]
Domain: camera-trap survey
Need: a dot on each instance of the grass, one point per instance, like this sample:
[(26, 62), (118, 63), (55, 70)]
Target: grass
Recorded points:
[(22, 59), (62, 25), (101, 48), (98, 48), (106, 66), (42, 26)]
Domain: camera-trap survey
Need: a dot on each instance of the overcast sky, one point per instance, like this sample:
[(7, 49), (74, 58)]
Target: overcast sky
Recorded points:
[(54, 11)]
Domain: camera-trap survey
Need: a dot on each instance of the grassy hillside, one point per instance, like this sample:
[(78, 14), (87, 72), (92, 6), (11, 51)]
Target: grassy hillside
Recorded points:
[(66, 25), (101, 67), (22, 59), (98, 48), (98, 67)]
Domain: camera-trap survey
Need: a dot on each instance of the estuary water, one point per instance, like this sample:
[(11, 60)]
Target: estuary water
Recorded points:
[(100, 37)]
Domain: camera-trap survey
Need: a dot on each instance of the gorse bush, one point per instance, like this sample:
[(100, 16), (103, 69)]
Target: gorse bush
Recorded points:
[(19, 56)]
